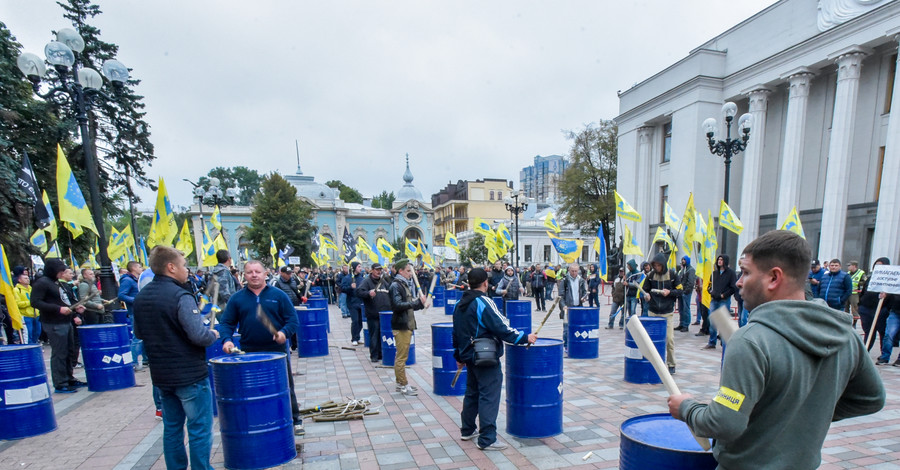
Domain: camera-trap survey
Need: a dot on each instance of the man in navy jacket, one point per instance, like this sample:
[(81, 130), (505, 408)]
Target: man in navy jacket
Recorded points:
[(835, 286)]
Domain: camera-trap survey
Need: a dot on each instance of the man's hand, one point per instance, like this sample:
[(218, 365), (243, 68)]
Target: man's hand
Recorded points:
[(675, 403), (80, 309), (227, 347), (353, 285), (666, 292), (459, 365), (532, 338), (279, 337), (372, 293), (215, 332), (77, 321), (645, 296), (65, 310), (422, 298)]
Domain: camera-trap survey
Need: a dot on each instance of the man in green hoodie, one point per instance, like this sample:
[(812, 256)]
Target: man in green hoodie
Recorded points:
[(795, 367)]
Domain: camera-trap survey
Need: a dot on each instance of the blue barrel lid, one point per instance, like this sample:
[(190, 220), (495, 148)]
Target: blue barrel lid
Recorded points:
[(104, 326), (442, 325), (247, 358), (18, 347), (662, 431), (541, 342)]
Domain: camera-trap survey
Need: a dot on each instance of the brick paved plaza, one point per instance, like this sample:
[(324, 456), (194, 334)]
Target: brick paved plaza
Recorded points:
[(117, 430)]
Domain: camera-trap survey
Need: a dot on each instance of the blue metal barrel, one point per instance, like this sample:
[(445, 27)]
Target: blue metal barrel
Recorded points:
[(451, 297), (388, 347), (312, 335), (584, 329), (534, 389), (320, 302), (26, 409), (519, 314), (121, 316), (443, 364), (316, 292), (498, 301), (637, 369), (254, 410), (106, 350), (213, 351), (660, 442), (438, 296)]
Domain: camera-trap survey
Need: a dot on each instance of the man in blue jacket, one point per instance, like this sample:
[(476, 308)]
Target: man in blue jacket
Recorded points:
[(835, 286), (255, 337), (814, 278), (476, 316), (128, 285)]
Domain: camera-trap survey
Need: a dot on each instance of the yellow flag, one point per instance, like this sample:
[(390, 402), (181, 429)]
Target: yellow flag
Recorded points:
[(50, 229), (363, 246), (710, 245), (54, 251), (450, 240), (729, 220), (550, 222), (411, 249), (117, 246), (219, 242), (672, 220), (483, 228), (630, 243), (72, 207), (690, 226), (163, 227), (208, 249), (792, 223), (39, 240), (624, 210), (272, 250), (6, 288), (185, 242), (216, 218), (569, 249), (76, 230)]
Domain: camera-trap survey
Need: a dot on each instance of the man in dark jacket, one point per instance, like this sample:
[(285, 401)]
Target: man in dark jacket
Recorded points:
[(836, 286), (354, 302), (496, 275), (618, 301), (167, 319), (222, 274), (815, 277), (51, 295), (687, 276), (476, 316), (660, 290), (538, 281), (288, 284), (405, 300), (721, 289), (376, 297), (128, 285), (242, 310), (344, 280)]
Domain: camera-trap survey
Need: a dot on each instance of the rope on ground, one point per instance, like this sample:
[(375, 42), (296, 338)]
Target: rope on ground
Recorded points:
[(351, 409)]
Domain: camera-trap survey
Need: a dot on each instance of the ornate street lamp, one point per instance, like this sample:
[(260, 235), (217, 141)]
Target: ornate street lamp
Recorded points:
[(728, 148), (212, 197), (80, 86), (515, 208)]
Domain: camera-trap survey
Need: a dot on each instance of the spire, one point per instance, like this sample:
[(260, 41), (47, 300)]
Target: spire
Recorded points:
[(407, 176), (297, 144)]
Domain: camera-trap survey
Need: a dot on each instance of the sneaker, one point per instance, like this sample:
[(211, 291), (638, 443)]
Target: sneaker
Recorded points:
[(609, 327), (709, 346), (77, 383), (896, 363), (411, 387), (408, 391), (494, 446), (702, 334), (79, 365), (881, 362), (159, 415), (470, 436), (672, 370), (355, 343), (66, 389), (695, 323), (298, 430)]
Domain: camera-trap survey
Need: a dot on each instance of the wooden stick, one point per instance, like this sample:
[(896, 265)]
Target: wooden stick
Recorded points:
[(721, 319), (874, 322), (552, 308), (456, 377), (264, 319), (642, 339), (212, 304), (431, 290)]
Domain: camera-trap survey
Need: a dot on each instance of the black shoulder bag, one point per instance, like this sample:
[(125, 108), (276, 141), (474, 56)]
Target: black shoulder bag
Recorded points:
[(485, 349)]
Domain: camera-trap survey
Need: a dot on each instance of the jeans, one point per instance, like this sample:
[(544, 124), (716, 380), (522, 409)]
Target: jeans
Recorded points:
[(713, 306), (548, 291), (743, 317), (684, 309), (342, 303), (539, 302), (157, 397), (891, 331), (631, 305), (194, 404), (482, 399), (34, 329), (616, 308), (356, 320), (594, 299)]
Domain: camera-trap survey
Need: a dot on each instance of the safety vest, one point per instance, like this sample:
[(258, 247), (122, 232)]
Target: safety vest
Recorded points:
[(856, 277)]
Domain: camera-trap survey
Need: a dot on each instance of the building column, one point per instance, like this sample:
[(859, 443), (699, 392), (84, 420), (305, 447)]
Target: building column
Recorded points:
[(887, 221), (759, 101), (642, 182), (792, 152), (837, 175)]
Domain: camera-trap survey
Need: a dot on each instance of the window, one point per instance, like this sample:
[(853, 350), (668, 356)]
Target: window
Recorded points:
[(892, 74), (878, 172), (492, 194), (663, 199), (584, 254), (547, 253), (527, 253), (667, 142), (499, 195)]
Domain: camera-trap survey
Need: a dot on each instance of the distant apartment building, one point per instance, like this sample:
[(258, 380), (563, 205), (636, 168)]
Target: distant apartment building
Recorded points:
[(541, 180), (457, 205)]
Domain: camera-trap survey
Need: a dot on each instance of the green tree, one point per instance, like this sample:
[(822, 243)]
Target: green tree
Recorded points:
[(347, 194), (278, 213), (245, 180), (385, 200), (589, 181), (474, 251)]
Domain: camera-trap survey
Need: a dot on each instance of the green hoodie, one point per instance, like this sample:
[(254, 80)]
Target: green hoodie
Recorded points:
[(792, 370)]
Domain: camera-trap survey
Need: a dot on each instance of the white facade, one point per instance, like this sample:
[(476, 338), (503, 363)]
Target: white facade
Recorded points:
[(818, 78)]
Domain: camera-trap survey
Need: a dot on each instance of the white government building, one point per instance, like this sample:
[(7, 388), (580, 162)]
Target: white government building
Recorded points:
[(819, 79)]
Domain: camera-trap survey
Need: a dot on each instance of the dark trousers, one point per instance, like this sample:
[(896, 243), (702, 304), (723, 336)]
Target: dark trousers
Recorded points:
[(594, 299), (539, 301), (356, 320), (374, 338), (703, 311), (62, 348), (866, 316), (483, 400)]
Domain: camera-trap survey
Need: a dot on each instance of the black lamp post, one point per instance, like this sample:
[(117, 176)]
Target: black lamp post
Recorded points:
[(81, 86), (214, 197), (728, 148), (515, 208)]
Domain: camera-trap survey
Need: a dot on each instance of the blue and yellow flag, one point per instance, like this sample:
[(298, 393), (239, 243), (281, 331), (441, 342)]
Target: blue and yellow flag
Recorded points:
[(6, 288), (216, 218), (630, 243), (208, 249), (93, 256), (505, 236), (483, 228), (185, 242), (690, 226), (411, 249), (39, 240), (624, 210), (450, 240), (272, 250), (792, 223), (326, 243), (163, 227), (600, 249), (50, 229), (672, 220), (363, 246), (74, 229), (246, 254), (72, 207), (145, 260), (662, 236), (550, 222), (569, 250), (385, 249), (219, 242), (72, 261), (729, 220), (54, 251)]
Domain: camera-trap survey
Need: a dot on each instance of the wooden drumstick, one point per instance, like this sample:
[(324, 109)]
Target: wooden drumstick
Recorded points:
[(874, 322), (642, 339), (552, 307), (456, 377), (721, 319), (430, 290)]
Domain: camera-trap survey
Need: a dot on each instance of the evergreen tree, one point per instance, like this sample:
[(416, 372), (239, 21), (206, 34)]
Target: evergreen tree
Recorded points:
[(277, 212), (347, 194), (385, 200)]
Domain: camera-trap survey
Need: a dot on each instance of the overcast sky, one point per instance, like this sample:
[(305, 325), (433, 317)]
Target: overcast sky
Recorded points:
[(470, 89)]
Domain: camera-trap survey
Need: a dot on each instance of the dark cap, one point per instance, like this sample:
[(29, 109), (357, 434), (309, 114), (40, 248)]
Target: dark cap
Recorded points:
[(285, 269), (401, 263), (353, 265), (477, 276), (377, 266), (815, 262)]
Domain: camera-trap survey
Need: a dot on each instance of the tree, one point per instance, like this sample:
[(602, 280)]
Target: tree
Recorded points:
[(245, 180), (347, 194), (474, 250), (278, 213), (589, 181), (384, 200)]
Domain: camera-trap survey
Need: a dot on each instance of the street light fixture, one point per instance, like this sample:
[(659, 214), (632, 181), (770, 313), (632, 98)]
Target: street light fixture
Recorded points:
[(515, 208), (213, 197), (728, 148), (81, 86)]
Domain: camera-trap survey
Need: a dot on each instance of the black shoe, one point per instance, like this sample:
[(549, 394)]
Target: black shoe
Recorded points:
[(672, 370), (880, 362), (609, 327), (709, 346), (66, 389), (77, 383), (695, 323), (701, 334)]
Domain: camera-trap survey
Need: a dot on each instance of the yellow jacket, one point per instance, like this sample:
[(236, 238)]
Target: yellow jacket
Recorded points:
[(23, 299)]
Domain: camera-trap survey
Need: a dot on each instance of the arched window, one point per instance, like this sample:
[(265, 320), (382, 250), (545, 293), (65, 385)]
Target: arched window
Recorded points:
[(492, 194), (499, 195)]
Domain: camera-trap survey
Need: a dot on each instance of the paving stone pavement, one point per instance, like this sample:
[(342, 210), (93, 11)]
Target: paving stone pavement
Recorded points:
[(118, 430)]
